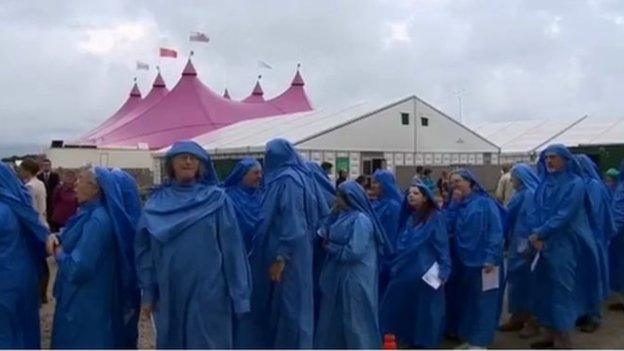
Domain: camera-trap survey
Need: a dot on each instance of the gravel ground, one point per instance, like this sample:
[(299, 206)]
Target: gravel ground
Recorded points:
[(609, 336)]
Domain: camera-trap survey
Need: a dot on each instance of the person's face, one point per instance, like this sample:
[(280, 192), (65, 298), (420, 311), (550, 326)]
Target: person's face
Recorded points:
[(460, 184), (46, 166), (86, 187), (555, 163), (516, 183), (69, 178), (415, 198), (185, 168), (253, 178), (375, 188)]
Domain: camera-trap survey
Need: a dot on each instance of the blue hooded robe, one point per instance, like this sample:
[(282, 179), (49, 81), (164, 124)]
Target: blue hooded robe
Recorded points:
[(282, 312), (22, 249), (598, 207), (616, 249), (478, 240), (521, 213), (567, 271), (95, 286), (388, 209), (191, 260), (348, 316), (412, 309), (246, 200)]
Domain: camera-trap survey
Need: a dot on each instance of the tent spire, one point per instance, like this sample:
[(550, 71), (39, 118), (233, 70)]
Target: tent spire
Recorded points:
[(226, 94), (189, 69), (135, 89), (298, 80), (258, 89)]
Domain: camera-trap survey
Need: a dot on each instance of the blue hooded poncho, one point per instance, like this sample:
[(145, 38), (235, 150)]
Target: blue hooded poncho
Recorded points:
[(348, 316), (568, 270), (388, 209), (616, 248), (282, 313), (96, 287), (598, 207), (191, 259), (22, 250), (478, 241), (246, 200), (411, 309), (521, 213)]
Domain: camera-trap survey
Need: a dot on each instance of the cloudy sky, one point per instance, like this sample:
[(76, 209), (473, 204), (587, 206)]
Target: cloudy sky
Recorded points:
[(67, 65)]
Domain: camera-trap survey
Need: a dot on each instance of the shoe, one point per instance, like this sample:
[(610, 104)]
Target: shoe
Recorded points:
[(590, 327), (616, 307), (511, 327), (543, 344)]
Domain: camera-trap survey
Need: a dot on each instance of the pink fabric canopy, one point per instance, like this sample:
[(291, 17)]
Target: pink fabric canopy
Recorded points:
[(256, 94), (133, 100), (191, 109)]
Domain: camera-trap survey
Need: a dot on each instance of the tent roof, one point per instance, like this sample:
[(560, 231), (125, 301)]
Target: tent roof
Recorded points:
[(190, 109), (524, 136), (592, 131), (133, 100)]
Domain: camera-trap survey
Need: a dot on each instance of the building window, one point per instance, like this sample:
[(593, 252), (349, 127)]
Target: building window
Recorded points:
[(405, 118), (424, 121)]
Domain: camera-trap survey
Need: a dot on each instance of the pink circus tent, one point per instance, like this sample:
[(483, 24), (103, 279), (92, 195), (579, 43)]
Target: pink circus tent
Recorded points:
[(191, 109)]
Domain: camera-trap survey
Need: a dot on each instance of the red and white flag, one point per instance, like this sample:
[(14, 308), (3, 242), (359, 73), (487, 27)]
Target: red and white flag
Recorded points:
[(168, 53), (199, 36)]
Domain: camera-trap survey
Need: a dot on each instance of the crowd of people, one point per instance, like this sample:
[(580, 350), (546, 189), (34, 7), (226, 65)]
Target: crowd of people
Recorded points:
[(279, 256)]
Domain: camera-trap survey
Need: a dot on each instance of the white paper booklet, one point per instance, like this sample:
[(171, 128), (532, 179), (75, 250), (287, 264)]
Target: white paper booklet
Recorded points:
[(490, 280), (432, 276)]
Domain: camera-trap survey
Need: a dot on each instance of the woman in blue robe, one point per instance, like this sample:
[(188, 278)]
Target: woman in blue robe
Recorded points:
[(616, 248), (96, 283), (22, 249), (243, 187), (190, 255), (598, 207), (348, 316), (386, 200), (478, 241), (567, 270), (281, 260), (452, 294), (521, 212), (412, 309)]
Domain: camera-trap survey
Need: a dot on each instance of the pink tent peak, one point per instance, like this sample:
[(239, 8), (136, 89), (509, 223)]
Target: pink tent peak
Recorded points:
[(133, 100), (256, 94), (226, 94), (294, 99)]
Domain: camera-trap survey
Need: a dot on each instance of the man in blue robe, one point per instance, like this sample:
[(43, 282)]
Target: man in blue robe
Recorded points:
[(567, 270), (22, 249), (95, 287), (281, 260), (190, 256)]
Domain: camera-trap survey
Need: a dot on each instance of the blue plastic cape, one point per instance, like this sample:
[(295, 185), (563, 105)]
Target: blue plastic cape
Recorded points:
[(22, 252), (282, 313), (246, 200), (412, 309), (192, 262), (352, 241), (616, 248), (568, 271), (521, 213), (130, 193)]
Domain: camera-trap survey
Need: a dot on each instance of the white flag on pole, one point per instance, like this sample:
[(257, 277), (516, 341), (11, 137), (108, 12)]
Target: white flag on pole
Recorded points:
[(262, 64), (142, 66), (199, 36)]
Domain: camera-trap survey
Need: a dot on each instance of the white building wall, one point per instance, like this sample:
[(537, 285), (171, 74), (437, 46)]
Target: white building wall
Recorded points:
[(382, 132), (75, 158), (443, 134)]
